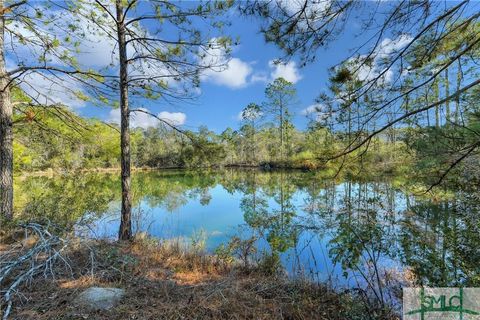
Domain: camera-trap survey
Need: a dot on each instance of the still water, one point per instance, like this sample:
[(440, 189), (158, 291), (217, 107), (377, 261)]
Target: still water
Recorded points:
[(349, 233)]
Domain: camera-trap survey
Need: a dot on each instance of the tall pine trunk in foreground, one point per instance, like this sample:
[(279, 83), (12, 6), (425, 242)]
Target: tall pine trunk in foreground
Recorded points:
[(158, 65), (125, 232), (6, 134)]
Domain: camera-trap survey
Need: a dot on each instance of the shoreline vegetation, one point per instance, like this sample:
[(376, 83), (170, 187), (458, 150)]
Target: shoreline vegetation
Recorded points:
[(165, 279), (52, 172), (95, 148)]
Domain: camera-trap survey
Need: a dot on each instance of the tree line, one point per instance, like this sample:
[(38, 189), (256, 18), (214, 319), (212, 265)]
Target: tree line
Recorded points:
[(266, 137)]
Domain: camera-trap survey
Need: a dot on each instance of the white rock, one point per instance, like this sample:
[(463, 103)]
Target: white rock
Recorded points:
[(97, 298)]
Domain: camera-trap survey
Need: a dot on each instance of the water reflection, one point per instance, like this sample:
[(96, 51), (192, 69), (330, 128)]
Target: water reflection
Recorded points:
[(367, 234), (447, 250)]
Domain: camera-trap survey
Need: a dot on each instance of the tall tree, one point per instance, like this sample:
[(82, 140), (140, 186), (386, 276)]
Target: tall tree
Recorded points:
[(125, 231), (281, 95), (250, 115), (162, 52), (6, 134)]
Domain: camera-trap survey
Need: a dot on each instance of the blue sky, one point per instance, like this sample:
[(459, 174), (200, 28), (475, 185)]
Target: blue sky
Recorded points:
[(224, 95)]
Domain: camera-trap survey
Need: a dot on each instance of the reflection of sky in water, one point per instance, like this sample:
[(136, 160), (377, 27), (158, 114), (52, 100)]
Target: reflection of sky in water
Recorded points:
[(220, 217)]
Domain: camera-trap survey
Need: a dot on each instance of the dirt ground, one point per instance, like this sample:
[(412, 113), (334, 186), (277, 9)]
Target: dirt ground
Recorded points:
[(163, 282)]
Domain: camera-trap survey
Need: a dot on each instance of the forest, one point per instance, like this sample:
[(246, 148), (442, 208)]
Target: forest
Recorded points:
[(155, 163), (53, 143)]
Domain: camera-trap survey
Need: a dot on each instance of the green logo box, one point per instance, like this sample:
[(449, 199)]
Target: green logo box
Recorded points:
[(441, 303)]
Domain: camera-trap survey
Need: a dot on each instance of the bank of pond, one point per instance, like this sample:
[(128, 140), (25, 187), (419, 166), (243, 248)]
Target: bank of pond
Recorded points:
[(360, 234)]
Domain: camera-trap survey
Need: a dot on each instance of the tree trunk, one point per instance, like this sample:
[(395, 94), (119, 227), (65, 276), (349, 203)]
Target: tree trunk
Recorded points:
[(436, 95), (457, 98), (6, 134), (447, 93), (125, 232), (254, 157), (281, 133)]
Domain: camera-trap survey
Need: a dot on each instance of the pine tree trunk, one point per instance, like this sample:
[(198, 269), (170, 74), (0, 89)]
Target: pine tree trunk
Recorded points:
[(254, 157), (6, 133), (447, 93), (281, 134), (125, 232), (436, 95), (457, 98)]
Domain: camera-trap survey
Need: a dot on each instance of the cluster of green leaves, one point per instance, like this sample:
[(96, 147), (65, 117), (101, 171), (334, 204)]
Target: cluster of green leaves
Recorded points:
[(54, 137)]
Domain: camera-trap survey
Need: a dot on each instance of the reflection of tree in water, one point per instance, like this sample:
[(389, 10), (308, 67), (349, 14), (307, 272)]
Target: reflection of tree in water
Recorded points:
[(65, 199), (173, 189), (446, 237), (276, 224), (254, 205), (437, 240), (365, 234), (283, 234), (202, 194)]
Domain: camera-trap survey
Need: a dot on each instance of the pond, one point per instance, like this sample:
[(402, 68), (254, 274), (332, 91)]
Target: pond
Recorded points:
[(350, 233)]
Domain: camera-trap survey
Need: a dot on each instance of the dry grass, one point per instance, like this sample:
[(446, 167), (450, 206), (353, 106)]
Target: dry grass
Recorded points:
[(162, 281)]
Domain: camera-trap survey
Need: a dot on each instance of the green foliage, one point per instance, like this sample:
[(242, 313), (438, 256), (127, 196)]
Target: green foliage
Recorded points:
[(224, 253), (56, 138), (237, 247), (198, 241), (270, 264), (65, 200)]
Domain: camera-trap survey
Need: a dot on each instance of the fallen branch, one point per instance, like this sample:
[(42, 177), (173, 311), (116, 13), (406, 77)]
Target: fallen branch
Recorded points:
[(20, 265)]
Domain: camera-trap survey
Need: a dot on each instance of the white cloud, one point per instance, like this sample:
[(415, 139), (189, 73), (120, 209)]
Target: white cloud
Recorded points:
[(313, 12), (233, 75), (230, 72), (388, 46), (236, 73), (371, 71), (174, 118), (96, 49), (316, 111), (295, 6), (259, 77), (143, 120), (288, 71), (366, 72), (314, 108)]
